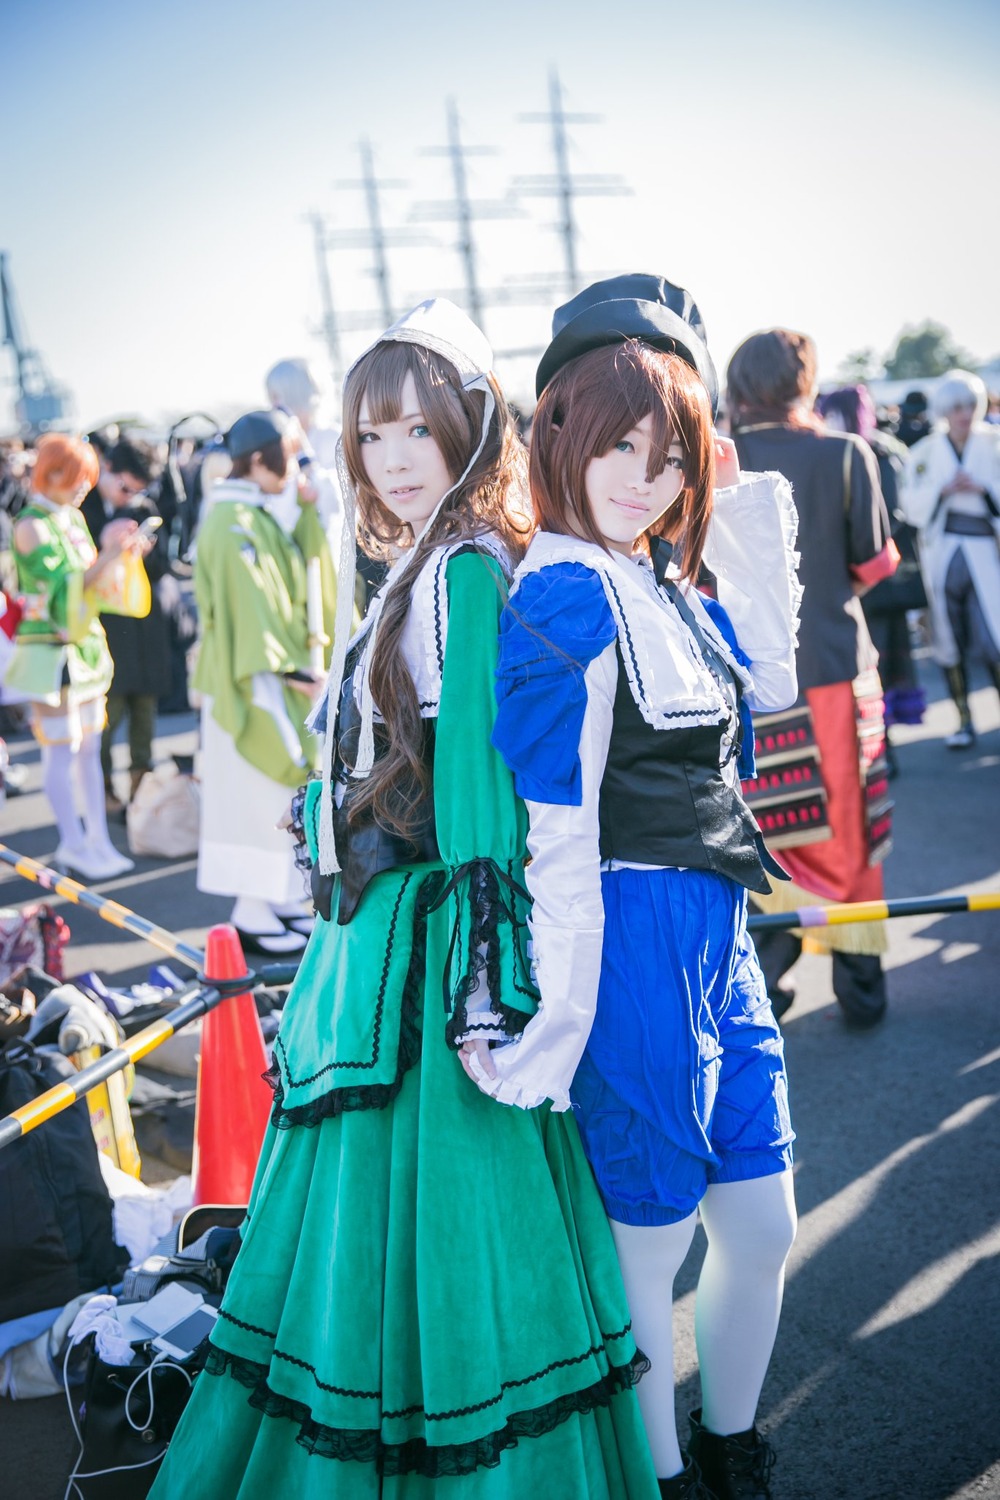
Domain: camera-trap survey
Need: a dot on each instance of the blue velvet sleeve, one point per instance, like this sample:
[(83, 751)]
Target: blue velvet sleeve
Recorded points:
[(746, 765), (552, 628)]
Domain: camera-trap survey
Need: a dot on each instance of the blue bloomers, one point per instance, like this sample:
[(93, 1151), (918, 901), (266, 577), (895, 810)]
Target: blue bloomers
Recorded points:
[(683, 1081)]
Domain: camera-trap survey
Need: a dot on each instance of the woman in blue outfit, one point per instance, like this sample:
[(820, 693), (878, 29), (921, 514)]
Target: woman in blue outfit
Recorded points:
[(623, 713)]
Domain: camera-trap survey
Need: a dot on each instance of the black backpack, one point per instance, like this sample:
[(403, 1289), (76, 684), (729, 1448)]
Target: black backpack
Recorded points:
[(56, 1232)]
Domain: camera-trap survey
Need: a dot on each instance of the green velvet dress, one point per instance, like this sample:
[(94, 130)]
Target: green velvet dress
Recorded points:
[(427, 1300)]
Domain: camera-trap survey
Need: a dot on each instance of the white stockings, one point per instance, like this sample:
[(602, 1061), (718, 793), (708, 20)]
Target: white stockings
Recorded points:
[(91, 777), (750, 1227), (57, 779)]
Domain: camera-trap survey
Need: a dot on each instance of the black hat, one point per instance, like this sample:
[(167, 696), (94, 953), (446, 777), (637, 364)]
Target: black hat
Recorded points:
[(254, 431), (643, 307)]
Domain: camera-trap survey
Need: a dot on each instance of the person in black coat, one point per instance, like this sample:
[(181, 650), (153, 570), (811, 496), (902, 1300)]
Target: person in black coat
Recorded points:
[(140, 649)]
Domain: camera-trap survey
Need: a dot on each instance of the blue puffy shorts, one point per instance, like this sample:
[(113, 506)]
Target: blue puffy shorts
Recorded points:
[(683, 1081)]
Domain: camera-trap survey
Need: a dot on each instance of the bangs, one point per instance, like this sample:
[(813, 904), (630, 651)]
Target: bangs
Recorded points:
[(596, 400), (452, 415), (638, 387), (620, 386), (380, 377)]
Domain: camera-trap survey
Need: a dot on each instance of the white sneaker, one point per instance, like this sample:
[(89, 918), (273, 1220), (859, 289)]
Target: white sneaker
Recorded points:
[(93, 864), (67, 857), (963, 738)]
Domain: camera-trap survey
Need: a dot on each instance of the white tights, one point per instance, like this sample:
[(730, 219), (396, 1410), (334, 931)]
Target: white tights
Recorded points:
[(750, 1227), (57, 779), (61, 767)]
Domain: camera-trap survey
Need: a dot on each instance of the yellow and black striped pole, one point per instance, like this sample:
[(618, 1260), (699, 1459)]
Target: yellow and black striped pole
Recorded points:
[(197, 998), (62, 1095), (839, 913), (110, 911)]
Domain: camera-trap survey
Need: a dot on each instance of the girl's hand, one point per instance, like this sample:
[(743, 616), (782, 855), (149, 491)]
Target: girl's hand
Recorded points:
[(727, 465), (115, 537), (476, 1047), (310, 684), (308, 493)]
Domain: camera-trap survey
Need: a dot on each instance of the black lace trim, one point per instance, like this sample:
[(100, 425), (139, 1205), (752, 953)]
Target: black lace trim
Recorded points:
[(488, 913), (303, 859), (416, 1455), (372, 1095)]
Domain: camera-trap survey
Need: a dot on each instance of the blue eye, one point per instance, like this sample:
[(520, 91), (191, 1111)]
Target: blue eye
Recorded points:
[(624, 446), (421, 430), (676, 463)]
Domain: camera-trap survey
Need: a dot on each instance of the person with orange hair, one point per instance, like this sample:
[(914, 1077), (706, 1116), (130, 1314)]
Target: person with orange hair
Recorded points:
[(61, 662)]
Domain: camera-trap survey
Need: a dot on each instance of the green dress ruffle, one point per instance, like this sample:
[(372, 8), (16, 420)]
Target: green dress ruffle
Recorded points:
[(427, 1299)]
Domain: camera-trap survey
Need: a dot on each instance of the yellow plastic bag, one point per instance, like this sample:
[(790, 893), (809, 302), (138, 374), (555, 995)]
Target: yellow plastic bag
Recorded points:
[(122, 588)]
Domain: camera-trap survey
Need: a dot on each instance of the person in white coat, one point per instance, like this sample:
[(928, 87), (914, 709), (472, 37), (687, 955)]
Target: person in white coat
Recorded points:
[(293, 388), (951, 493)]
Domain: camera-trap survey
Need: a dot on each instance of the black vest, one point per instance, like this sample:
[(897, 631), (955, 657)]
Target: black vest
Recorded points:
[(664, 800), (364, 848)]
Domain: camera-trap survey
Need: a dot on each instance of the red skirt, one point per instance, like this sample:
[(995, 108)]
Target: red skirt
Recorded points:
[(839, 868)]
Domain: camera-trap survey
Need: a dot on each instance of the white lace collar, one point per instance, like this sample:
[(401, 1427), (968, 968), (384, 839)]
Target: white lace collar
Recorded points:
[(667, 675)]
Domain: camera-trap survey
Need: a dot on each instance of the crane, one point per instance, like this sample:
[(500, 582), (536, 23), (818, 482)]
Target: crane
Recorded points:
[(40, 403)]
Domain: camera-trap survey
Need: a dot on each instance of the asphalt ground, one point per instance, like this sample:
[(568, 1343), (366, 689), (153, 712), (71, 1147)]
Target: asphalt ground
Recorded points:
[(885, 1382)]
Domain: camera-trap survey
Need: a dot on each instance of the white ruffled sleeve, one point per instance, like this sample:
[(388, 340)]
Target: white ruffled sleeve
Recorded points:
[(751, 550), (567, 922)]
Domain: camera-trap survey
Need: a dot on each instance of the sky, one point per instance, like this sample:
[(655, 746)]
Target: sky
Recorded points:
[(831, 169)]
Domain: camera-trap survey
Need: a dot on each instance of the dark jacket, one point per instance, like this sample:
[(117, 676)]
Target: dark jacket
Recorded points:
[(843, 524), (140, 649)]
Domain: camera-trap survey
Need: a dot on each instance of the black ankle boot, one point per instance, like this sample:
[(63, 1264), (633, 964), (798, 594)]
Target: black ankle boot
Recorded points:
[(686, 1485), (737, 1467)]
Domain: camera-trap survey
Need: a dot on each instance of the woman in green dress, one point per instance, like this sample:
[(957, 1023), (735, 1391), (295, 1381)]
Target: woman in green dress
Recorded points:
[(61, 663), (426, 1301)]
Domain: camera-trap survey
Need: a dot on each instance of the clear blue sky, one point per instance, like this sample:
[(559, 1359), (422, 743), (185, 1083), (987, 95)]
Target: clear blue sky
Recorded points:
[(832, 168)]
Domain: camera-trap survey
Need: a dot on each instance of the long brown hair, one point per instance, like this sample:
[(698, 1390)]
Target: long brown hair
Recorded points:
[(490, 499), (772, 378), (589, 405)]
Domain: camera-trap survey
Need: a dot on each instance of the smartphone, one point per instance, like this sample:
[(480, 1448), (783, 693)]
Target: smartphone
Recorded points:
[(149, 527), (184, 1338)]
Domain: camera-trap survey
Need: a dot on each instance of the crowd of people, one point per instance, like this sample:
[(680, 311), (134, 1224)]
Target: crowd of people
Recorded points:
[(522, 784)]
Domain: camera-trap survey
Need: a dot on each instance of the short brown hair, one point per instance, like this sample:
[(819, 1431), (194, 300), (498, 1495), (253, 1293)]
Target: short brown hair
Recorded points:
[(273, 456), (589, 405), (64, 463), (770, 375)]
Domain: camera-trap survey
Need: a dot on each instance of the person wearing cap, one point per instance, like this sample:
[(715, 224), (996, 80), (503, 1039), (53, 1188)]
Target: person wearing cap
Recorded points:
[(914, 423), (426, 1301), (951, 492), (623, 714), (256, 683)]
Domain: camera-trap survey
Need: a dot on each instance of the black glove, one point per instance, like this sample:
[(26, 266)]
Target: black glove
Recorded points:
[(322, 891)]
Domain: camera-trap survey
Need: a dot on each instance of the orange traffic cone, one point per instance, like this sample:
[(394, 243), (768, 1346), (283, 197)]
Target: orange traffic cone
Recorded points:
[(233, 1101)]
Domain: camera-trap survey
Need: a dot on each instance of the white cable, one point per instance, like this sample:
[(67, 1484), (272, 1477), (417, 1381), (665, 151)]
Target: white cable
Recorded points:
[(160, 1361)]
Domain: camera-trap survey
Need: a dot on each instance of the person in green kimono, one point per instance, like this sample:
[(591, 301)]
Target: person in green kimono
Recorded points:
[(426, 1301), (257, 679)]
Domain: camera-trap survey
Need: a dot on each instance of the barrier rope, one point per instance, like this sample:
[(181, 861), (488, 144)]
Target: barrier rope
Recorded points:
[(110, 911), (839, 913), (203, 994)]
